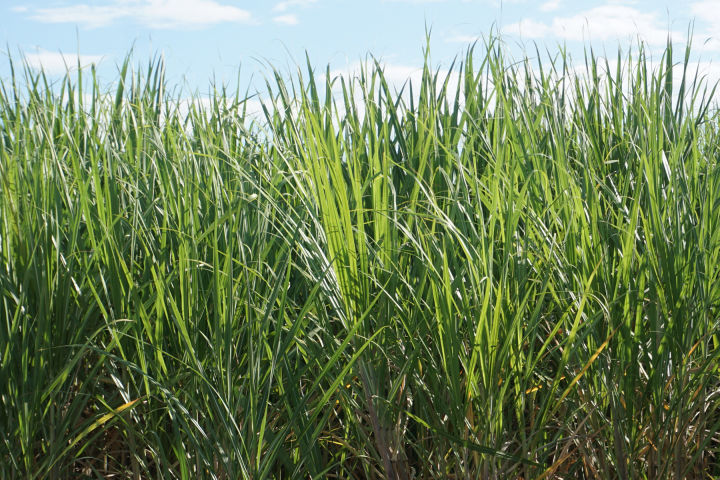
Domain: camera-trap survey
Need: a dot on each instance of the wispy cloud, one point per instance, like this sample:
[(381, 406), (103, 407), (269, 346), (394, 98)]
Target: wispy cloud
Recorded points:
[(288, 19), (607, 22), (709, 11), (397, 77), (460, 38), (57, 62), (550, 6), (288, 4), (153, 13), (414, 1), (708, 72), (528, 28)]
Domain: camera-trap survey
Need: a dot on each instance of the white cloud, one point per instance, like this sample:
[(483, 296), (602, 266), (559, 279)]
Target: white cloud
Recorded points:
[(709, 12), (19, 8), (463, 39), (607, 22), (56, 62), (496, 3), (708, 9), (528, 28), (396, 75), (706, 71), (154, 13), (550, 6), (708, 42), (287, 4), (93, 16), (286, 19)]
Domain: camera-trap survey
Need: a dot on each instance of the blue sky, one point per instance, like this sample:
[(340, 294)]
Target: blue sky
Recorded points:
[(204, 39)]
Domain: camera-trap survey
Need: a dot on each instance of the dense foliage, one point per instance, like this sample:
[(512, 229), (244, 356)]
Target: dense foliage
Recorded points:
[(508, 270)]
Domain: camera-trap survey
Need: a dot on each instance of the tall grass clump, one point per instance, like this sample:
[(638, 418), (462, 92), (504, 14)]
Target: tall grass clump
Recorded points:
[(507, 270)]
